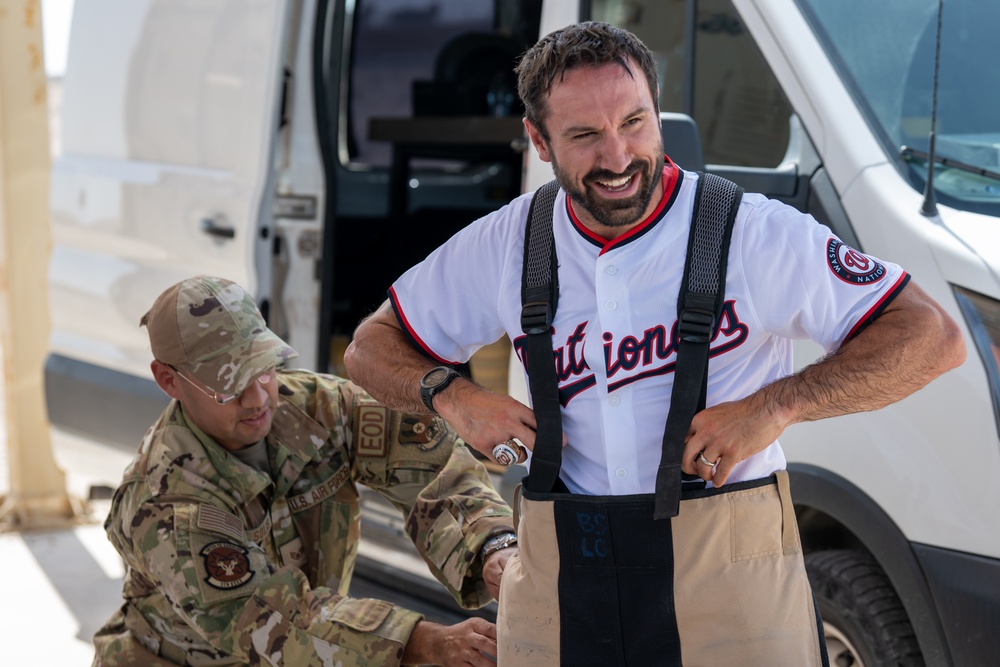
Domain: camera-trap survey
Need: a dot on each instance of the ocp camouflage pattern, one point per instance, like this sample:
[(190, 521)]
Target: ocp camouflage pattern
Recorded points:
[(234, 344), (226, 567)]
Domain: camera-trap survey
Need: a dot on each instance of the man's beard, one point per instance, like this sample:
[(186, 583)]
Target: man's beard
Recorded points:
[(614, 212)]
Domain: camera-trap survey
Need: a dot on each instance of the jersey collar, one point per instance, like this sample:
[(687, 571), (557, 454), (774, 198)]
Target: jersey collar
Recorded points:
[(671, 180)]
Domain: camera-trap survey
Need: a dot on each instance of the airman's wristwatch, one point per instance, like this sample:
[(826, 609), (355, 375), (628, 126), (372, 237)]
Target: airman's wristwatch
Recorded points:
[(495, 544), (434, 382)]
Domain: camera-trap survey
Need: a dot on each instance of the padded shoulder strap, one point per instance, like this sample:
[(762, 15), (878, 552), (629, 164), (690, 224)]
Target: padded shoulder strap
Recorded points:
[(539, 297), (699, 306)]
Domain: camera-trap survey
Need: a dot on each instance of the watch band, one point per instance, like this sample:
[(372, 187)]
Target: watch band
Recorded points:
[(496, 543)]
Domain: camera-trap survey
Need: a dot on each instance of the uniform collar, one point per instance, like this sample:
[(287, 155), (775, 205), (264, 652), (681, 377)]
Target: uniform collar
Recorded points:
[(295, 440), (209, 461)]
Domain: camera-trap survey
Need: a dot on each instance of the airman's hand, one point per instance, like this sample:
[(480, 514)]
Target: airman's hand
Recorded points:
[(493, 569), (471, 643)]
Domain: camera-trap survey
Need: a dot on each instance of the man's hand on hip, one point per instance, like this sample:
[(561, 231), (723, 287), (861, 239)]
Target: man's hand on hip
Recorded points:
[(484, 419)]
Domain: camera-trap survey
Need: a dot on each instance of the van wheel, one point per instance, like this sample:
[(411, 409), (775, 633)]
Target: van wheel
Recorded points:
[(863, 620)]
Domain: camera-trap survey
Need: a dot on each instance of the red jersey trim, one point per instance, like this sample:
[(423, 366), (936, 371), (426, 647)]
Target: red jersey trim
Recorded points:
[(404, 324), (877, 309), (671, 178)]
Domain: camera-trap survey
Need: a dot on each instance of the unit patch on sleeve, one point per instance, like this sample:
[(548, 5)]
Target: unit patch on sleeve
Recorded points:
[(852, 266), (372, 430), (227, 564), (424, 431)]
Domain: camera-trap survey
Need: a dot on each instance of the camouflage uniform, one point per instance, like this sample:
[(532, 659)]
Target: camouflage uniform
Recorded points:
[(227, 567)]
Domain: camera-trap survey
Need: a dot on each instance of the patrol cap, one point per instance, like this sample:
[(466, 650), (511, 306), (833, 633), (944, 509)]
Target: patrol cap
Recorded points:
[(211, 329)]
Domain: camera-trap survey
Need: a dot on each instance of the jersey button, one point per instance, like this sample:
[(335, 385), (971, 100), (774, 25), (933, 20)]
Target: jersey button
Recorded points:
[(611, 270), (621, 473), (614, 400), (610, 305)]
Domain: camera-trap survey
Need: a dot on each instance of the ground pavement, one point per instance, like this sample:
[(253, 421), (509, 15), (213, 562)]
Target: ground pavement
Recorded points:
[(57, 587)]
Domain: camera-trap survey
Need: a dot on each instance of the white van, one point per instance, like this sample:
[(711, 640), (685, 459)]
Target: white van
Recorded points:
[(311, 150)]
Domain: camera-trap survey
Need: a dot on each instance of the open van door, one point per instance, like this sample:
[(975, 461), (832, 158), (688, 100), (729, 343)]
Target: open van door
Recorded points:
[(169, 113)]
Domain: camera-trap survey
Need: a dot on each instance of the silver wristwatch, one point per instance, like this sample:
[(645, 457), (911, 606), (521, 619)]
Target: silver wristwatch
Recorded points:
[(496, 543)]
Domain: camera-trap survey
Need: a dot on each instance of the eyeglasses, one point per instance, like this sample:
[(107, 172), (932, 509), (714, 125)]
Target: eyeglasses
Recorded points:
[(220, 398)]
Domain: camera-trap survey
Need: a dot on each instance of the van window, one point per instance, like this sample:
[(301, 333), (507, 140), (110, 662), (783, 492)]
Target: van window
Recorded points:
[(726, 85), (423, 58), (884, 52)]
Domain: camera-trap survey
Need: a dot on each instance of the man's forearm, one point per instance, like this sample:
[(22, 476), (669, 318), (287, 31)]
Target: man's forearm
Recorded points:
[(383, 361), (906, 347), (900, 352)]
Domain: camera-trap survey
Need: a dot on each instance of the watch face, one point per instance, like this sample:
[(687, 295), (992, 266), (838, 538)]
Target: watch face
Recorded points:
[(435, 377)]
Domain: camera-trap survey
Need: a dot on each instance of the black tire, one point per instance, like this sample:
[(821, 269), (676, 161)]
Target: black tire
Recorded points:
[(864, 621)]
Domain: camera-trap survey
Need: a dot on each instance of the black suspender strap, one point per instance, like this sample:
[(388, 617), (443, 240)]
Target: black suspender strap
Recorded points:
[(699, 306), (539, 296)]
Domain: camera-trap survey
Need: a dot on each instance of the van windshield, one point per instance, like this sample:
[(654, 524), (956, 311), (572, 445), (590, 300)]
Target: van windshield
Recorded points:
[(885, 53)]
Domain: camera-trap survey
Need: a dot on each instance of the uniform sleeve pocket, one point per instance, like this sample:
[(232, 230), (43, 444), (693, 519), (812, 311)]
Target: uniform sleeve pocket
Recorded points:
[(360, 614), (441, 540), (223, 568)]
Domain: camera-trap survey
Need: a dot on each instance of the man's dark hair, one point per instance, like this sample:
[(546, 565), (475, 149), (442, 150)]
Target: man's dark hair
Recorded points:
[(589, 44)]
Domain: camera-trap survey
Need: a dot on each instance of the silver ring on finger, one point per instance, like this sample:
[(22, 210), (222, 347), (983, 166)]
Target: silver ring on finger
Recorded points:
[(507, 453), (705, 462)]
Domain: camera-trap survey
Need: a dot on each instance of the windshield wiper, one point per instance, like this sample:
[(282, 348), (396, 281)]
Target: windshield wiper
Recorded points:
[(910, 153)]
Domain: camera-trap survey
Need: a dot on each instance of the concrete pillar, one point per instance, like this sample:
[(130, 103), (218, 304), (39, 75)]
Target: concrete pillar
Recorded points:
[(37, 496)]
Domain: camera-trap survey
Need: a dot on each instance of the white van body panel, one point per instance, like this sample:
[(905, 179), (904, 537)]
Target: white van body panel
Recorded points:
[(913, 457), (917, 481), (147, 159), (978, 232), (917, 459)]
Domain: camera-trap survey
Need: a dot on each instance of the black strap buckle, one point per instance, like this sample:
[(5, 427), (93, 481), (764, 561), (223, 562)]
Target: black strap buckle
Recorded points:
[(696, 325), (536, 317)]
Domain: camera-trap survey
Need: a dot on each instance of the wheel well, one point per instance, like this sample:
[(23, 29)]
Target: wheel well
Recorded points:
[(833, 513), (821, 532)]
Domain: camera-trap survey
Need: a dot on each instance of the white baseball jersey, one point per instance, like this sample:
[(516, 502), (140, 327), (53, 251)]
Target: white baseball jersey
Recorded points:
[(788, 277)]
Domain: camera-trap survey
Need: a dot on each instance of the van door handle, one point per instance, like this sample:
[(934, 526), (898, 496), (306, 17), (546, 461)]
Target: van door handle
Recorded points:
[(216, 226)]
